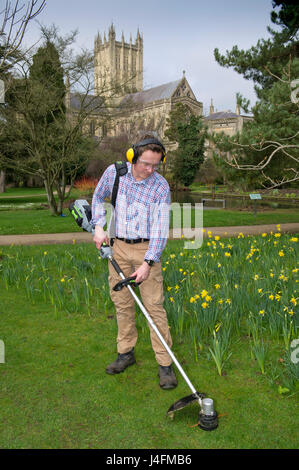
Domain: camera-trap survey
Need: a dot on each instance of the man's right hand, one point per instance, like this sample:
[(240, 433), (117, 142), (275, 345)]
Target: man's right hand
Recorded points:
[(100, 236)]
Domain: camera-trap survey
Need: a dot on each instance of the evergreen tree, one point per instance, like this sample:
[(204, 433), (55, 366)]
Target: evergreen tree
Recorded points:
[(268, 145), (189, 132)]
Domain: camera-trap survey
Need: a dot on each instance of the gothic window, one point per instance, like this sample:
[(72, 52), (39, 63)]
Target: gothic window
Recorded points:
[(92, 128)]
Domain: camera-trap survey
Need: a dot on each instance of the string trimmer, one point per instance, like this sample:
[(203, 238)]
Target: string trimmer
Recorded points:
[(207, 419)]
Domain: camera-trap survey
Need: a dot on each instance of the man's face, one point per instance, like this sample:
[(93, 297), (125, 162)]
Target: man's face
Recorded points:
[(146, 164)]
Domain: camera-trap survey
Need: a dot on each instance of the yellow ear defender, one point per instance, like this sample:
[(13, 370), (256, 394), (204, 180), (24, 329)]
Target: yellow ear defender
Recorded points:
[(132, 153)]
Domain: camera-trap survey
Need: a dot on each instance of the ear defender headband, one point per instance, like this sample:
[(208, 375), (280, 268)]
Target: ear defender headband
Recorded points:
[(132, 153)]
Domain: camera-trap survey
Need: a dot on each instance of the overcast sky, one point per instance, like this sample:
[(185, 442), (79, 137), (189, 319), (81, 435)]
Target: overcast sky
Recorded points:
[(178, 35)]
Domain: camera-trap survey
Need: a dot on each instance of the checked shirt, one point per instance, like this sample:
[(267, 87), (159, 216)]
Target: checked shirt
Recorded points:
[(142, 209)]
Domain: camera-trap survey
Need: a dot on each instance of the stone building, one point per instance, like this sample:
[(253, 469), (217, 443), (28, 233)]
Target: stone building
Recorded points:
[(117, 63), (118, 79), (133, 110), (227, 122)]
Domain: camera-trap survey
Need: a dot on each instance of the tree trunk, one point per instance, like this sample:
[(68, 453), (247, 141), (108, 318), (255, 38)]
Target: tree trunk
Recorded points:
[(51, 198), (61, 193), (2, 181)]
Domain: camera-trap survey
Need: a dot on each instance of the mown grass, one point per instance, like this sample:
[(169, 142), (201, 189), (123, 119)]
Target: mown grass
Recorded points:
[(13, 222), (55, 392)]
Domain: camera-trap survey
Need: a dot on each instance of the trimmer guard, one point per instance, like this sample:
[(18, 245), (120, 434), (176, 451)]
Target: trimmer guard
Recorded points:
[(129, 281), (178, 405)]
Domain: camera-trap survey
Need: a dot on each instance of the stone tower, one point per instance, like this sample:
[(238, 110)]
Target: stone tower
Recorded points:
[(118, 63)]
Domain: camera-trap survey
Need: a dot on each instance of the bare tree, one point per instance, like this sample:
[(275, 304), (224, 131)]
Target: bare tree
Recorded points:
[(50, 120), (14, 20)]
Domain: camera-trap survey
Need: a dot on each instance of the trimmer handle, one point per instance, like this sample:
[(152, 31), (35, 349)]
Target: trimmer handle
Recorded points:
[(105, 251), (129, 281)]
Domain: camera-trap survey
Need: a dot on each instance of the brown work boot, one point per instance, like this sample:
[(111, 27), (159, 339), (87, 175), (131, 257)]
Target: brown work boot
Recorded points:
[(167, 377), (121, 363)]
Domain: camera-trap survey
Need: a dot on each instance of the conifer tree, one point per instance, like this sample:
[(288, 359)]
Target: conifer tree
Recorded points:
[(189, 132), (269, 144)]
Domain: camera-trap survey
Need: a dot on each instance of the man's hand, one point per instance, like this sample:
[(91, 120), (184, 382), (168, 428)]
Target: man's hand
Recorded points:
[(100, 236), (142, 272)]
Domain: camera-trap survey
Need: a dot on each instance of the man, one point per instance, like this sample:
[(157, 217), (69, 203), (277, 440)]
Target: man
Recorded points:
[(141, 220)]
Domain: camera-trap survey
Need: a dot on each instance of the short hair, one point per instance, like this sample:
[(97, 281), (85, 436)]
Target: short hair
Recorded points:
[(153, 147)]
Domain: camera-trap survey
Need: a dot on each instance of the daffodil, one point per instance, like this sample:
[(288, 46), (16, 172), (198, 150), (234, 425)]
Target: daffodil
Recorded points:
[(204, 305), (293, 300), (217, 286)]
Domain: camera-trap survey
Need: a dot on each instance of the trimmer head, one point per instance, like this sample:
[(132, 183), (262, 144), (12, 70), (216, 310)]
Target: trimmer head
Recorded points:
[(178, 405), (207, 419)]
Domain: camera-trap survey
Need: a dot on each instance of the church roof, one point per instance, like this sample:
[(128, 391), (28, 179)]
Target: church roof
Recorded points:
[(222, 115), (152, 94), (90, 102)]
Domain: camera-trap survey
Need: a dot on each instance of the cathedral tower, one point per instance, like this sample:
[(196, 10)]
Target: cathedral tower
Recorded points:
[(118, 63)]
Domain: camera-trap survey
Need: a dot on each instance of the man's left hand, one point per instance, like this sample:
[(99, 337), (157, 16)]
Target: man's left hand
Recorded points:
[(142, 273)]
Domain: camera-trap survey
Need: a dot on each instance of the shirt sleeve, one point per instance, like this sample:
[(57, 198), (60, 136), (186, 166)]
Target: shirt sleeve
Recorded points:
[(160, 220), (102, 192)]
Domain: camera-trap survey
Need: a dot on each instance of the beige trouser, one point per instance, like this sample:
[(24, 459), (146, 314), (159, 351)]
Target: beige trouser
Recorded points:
[(130, 257)]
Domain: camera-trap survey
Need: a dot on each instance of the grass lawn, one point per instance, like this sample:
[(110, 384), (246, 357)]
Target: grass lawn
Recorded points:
[(22, 192), (41, 221), (55, 392), (54, 389)]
